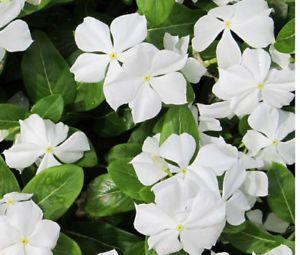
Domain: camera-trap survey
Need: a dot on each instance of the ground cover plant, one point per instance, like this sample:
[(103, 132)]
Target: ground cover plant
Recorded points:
[(147, 127)]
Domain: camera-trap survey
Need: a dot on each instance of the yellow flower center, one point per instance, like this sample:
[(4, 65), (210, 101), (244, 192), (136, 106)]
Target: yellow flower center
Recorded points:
[(261, 86), (147, 78), (24, 241), (184, 171), (10, 201), (180, 228), (228, 24), (275, 142), (49, 149), (113, 55)]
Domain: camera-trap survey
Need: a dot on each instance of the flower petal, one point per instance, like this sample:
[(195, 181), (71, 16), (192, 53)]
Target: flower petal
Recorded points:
[(36, 250), (9, 10), (166, 242), (171, 88), (179, 148), (256, 184), (45, 234), (193, 70), (93, 35), (73, 148), (287, 151), (206, 30), (128, 31), (255, 141), (90, 67), (9, 234), (166, 61), (15, 37), (228, 51), (151, 220), (145, 105), (47, 161)]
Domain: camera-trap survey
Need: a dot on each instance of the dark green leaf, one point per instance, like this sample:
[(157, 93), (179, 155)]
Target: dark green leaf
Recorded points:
[(45, 72), (285, 41), (127, 150), (8, 182), (10, 115), (66, 246), (281, 197), (105, 199), (55, 189)]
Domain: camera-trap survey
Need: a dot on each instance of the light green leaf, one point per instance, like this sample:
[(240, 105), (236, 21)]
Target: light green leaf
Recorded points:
[(45, 72), (285, 41), (55, 189), (281, 197), (105, 199), (66, 246), (127, 150), (124, 176), (156, 11), (178, 120), (50, 107), (10, 115), (8, 182)]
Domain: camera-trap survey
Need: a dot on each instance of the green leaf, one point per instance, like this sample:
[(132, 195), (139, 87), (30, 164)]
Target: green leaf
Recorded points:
[(123, 174), (10, 115), (105, 199), (243, 125), (89, 96), (127, 150), (138, 248), (50, 107), (178, 120), (8, 182), (250, 238), (66, 246), (281, 197), (114, 123), (89, 159), (95, 237), (45, 72), (147, 195), (180, 22), (285, 41), (56, 188), (156, 11)]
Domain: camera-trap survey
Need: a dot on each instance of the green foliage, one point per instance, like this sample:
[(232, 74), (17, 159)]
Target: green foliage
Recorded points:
[(55, 189), (50, 107), (178, 120), (10, 116), (250, 238), (8, 182), (285, 41), (66, 246), (123, 174), (156, 11), (105, 199), (45, 72), (281, 197)]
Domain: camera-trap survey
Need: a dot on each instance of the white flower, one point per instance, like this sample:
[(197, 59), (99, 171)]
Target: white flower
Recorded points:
[(112, 252), (151, 165), (41, 141), (240, 187), (9, 10), (272, 222), (193, 70), (184, 216), (280, 250), (249, 19), (281, 59), (267, 139), (147, 78), (23, 231), (101, 53), (3, 134), (12, 199), (253, 81), (209, 115)]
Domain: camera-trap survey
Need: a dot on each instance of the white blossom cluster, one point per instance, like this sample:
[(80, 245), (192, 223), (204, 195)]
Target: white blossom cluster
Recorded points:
[(23, 230)]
